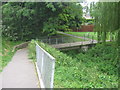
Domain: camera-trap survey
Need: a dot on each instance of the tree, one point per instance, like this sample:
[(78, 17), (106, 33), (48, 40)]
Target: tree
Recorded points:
[(28, 20), (107, 20)]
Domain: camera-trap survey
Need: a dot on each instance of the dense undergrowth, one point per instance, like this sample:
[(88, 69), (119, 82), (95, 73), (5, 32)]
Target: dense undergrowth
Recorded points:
[(6, 51), (96, 68)]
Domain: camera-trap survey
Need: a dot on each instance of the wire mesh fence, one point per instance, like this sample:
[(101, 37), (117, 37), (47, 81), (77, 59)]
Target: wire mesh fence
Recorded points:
[(45, 64)]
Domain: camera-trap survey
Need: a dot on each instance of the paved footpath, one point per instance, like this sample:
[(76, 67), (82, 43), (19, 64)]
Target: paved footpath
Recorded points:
[(20, 72)]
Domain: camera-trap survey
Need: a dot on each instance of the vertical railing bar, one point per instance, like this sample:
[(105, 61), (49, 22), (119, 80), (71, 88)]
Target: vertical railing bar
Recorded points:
[(84, 37), (42, 62), (52, 74), (56, 41), (62, 39), (49, 41)]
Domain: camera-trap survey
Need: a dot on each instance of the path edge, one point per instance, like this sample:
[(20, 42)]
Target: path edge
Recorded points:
[(39, 77)]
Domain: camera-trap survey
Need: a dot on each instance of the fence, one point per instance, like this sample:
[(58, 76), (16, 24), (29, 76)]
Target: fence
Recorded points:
[(45, 67), (60, 40), (57, 40)]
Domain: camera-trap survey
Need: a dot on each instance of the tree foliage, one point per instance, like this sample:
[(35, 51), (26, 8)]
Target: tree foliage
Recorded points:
[(27, 20), (107, 20)]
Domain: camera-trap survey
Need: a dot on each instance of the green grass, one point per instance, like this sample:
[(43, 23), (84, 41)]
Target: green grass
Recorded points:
[(6, 51), (69, 38), (86, 34), (91, 35), (96, 68)]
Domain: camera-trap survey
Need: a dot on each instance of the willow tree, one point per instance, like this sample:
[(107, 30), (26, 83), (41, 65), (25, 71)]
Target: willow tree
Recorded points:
[(107, 21)]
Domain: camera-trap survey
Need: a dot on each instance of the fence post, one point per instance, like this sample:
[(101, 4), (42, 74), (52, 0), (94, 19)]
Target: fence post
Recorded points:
[(110, 37), (56, 41), (84, 37), (88, 35), (92, 39), (41, 40), (49, 41), (82, 43), (62, 39)]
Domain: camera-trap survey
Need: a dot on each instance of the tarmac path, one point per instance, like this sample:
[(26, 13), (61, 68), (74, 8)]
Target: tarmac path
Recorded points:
[(20, 72)]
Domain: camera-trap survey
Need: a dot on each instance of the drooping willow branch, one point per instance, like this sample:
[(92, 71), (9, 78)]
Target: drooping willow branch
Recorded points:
[(107, 20)]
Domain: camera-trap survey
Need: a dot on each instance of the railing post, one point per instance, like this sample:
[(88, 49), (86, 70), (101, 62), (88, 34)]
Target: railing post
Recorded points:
[(82, 43), (84, 37), (88, 35), (62, 39), (42, 62), (52, 74), (110, 37), (92, 39), (41, 40), (49, 41), (56, 41)]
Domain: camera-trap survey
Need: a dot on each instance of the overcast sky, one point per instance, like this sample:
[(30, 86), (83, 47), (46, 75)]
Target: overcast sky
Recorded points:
[(92, 1), (88, 2)]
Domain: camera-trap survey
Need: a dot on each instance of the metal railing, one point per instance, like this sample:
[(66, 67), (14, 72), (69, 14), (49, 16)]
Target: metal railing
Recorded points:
[(45, 67), (62, 40), (59, 40)]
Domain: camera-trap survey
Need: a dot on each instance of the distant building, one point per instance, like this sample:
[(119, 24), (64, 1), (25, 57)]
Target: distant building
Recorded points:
[(86, 11)]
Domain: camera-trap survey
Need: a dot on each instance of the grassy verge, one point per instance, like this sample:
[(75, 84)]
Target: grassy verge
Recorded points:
[(86, 34), (6, 51), (96, 68), (69, 38)]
